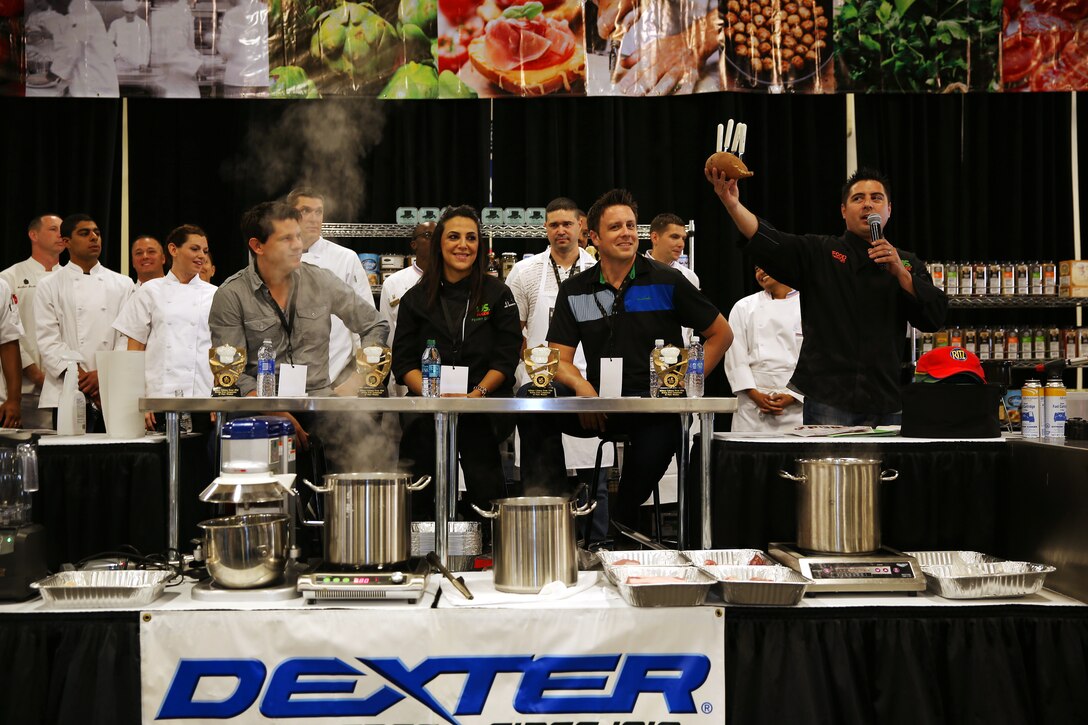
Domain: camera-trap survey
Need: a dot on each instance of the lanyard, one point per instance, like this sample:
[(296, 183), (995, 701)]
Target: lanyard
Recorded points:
[(286, 321), (616, 298), (451, 323), (555, 271)]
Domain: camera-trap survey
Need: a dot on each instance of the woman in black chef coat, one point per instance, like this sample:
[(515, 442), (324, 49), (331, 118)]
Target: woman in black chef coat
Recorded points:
[(473, 319)]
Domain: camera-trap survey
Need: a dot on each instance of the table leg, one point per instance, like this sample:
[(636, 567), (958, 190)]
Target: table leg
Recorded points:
[(452, 466), (441, 484), (682, 462), (173, 476), (706, 438)]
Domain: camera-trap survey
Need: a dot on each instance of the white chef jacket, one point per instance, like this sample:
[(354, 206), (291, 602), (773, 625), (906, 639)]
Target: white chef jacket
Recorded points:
[(686, 332), (132, 41), (393, 289), (243, 40), (83, 53), (766, 342), (173, 50), (11, 328), (345, 264), (75, 314), (170, 317), (535, 290), (23, 278)]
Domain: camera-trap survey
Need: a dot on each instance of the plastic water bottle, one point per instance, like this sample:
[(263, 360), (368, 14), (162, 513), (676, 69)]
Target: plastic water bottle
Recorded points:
[(266, 370), (655, 382), (695, 368), (431, 365)]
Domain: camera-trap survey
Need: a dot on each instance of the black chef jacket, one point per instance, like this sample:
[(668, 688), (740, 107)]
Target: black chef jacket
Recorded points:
[(854, 315), (492, 331)]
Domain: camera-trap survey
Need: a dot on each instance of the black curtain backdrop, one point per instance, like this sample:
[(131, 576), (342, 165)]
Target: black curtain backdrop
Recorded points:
[(973, 176)]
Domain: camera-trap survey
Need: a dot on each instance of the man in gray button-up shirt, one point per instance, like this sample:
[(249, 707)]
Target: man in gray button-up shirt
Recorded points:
[(280, 298)]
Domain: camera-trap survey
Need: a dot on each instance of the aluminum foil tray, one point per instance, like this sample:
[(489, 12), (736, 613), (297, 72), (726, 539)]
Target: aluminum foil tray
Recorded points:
[(102, 588), (688, 593), (772, 585), (645, 557), (464, 539), (727, 557), (971, 575)]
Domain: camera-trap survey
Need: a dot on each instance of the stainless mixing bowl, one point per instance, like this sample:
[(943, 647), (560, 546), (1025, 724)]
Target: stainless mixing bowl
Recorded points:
[(248, 551)]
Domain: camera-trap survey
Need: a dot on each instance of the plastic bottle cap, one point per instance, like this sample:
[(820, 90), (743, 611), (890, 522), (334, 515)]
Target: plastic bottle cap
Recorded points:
[(695, 338)]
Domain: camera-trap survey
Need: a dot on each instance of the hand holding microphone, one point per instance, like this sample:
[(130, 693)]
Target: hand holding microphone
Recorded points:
[(876, 234)]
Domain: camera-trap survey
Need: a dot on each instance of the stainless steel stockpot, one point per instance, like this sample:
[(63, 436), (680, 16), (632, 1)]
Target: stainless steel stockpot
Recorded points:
[(247, 551), (367, 517), (533, 541), (838, 504)]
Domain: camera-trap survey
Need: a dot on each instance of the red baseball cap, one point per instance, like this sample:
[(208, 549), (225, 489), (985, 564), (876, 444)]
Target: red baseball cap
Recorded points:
[(942, 363)]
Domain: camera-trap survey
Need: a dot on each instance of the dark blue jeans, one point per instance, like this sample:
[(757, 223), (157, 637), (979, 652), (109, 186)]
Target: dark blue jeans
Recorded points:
[(816, 413)]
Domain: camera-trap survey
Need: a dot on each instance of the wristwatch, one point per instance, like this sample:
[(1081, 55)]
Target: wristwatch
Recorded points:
[(482, 389)]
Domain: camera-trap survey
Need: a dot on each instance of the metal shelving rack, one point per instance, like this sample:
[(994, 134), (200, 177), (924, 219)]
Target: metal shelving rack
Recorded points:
[(985, 302)]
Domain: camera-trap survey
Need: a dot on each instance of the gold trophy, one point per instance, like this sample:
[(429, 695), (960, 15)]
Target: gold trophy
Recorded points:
[(227, 364), (671, 366), (372, 363), (541, 362)]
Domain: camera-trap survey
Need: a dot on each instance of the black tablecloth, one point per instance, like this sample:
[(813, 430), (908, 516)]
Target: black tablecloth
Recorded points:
[(1004, 664), (76, 667), (944, 498), (95, 498)]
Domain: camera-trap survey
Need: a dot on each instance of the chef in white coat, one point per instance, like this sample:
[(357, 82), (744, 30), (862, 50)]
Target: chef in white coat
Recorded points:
[(168, 317), (131, 38), (342, 262), (668, 238), (243, 41), (173, 50), (75, 308), (535, 283), (83, 53), (767, 340), (395, 285), (11, 377)]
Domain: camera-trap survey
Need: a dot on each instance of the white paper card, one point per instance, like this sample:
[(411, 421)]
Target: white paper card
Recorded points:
[(454, 380), (292, 381), (611, 378)]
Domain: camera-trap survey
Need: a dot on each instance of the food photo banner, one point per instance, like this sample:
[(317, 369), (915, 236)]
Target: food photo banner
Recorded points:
[(426, 49)]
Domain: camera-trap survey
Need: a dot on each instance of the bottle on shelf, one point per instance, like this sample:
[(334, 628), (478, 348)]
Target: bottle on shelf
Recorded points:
[(492, 265), (993, 281), (694, 382), (431, 367), (266, 370), (655, 382)]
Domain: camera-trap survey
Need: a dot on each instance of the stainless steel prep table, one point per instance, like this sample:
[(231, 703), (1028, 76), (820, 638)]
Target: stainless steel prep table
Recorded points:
[(445, 412)]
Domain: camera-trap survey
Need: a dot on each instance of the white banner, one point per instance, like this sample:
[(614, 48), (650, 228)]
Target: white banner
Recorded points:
[(411, 667)]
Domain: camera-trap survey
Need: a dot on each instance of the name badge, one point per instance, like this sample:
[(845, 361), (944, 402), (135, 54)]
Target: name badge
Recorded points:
[(292, 381), (611, 377), (454, 380)]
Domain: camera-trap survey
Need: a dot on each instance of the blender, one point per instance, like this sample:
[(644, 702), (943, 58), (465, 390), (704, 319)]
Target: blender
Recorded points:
[(22, 543)]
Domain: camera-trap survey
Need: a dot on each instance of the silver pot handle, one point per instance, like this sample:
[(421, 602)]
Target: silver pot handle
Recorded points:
[(884, 475), (486, 514), (587, 509), (790, 476), (317, 489), (420, 484)]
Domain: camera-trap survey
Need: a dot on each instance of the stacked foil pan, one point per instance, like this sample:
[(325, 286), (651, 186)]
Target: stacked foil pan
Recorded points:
[(689, 591), (973, 575), (102, 588), (465, 542)]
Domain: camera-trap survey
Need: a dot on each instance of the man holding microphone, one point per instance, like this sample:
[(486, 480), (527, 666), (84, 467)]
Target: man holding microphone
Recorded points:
[(858, 294)]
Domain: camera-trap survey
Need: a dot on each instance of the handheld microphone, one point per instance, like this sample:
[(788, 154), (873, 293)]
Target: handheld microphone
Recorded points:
[(875, 231)]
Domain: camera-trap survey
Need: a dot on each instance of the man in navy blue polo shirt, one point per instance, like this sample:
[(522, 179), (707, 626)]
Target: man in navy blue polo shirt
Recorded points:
[(616, 309)]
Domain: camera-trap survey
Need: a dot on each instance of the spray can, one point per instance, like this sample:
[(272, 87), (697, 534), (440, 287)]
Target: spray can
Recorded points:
[(1031, 408), (1054, 409)]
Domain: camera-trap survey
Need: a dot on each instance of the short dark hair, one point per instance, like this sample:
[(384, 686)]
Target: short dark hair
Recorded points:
[(294, 194), (561, 203), (866, 174), (581, 214), (138, 237), (178, 235), (616, 197), (70, 222), (667, 219), (36, 223), (257, 221)]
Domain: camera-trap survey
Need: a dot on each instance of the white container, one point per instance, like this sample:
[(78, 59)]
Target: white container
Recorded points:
[(72, 410)]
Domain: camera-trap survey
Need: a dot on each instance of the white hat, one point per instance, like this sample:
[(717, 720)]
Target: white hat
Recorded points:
[(129, 6)]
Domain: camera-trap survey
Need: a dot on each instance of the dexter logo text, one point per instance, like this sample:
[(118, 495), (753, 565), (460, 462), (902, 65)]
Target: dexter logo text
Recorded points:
[(547, 685)]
